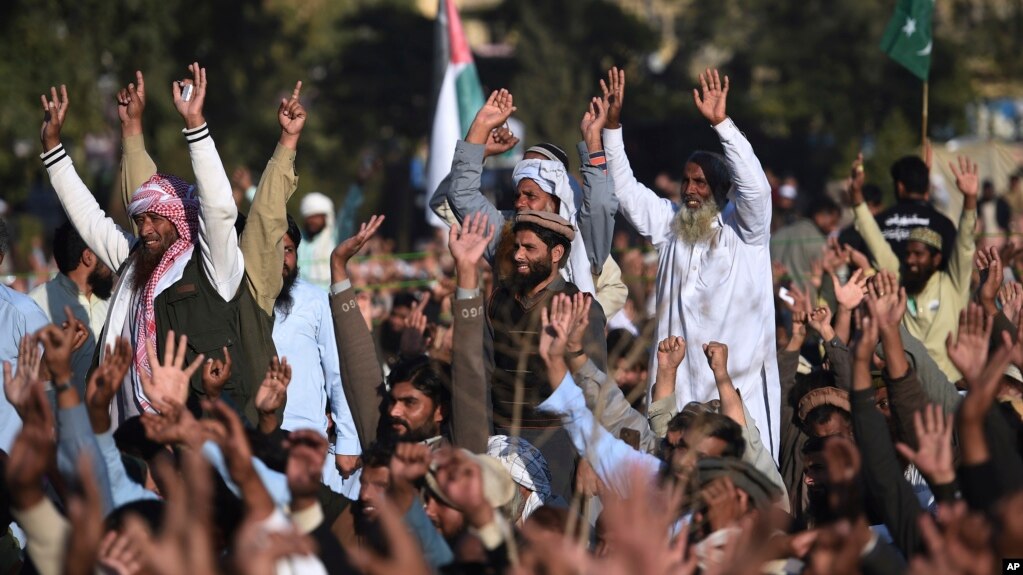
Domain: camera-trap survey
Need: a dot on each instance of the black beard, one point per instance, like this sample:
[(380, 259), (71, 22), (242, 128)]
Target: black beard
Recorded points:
[(523, 284), (145, 264), (916, 282), (414, 435), (102, 284), (284, 301)]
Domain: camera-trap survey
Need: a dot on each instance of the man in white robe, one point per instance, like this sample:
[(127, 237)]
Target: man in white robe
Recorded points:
[(714, 278)]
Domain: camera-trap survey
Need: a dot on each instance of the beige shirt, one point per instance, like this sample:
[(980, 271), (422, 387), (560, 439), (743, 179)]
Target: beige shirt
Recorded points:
[(932, 314), (52, 296)]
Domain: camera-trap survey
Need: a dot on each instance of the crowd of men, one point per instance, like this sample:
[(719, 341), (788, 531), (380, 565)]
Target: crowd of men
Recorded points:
[(209, 391)]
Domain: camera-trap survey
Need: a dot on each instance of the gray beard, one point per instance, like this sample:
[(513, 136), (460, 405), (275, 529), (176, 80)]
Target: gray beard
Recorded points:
[(695, 226)]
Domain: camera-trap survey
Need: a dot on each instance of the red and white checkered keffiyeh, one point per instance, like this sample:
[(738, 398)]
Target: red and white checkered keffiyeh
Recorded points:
[(174, 199)]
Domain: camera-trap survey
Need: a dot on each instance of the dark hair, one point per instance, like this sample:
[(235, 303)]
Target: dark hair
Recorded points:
[(822, 414), (131, 439), (378, 454), (293, 231), (239, 223), (715, 170), (550, 238), (151, 511), (814, 444), (623, 345), (680, 421), (912, 173), (823, 205), (429, 376), (807, 382), (68, 247), (724, 428), (872, 194), (5, 239)]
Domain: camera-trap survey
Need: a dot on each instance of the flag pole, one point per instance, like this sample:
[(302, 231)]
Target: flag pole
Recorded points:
[(923, 127)]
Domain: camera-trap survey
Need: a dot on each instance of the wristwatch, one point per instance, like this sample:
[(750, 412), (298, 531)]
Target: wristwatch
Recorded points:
[(61, 387)]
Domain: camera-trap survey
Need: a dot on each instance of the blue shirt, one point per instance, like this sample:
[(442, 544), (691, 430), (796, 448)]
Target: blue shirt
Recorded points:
[(19, 315), (306, 337)]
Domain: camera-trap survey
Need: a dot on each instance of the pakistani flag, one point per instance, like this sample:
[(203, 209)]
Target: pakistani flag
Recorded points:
[(459, 98), (907, 40)]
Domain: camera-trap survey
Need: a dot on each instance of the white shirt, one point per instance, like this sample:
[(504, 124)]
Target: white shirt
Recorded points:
[(306, 337), (19, 315), (61, 291), (719, 290)]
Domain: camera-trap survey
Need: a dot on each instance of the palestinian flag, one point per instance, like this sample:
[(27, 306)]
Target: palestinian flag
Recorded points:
[(459, 96)]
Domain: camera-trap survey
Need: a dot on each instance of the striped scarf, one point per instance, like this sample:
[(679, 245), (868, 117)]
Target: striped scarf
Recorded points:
[(174, 199)]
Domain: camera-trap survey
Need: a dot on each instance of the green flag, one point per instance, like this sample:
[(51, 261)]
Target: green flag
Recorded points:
[(907, 40)]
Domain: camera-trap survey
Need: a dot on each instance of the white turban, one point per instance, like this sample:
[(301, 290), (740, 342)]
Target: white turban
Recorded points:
[(316, 203)]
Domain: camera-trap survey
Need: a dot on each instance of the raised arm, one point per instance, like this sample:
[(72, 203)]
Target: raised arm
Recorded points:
[(752, 190), (470, 426), (105, 238), (262, 241), (499, 141), (865, 223), (221, 259), (960, 263), (464, 196), (136, 164), (361, 374), (596, 217), (649, 214)]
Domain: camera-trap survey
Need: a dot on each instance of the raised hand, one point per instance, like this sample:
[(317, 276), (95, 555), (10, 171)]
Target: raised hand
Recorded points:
[(968, 348), (717, 358), (887, 300), (174, 425), (131, 102), (989, 263), (168, 382), (715, 95), (670, 352), (54, 113), (56, 352), (410, 462), (74, 330), (578, 321), (800, 319), (468, 241), (614, 96), (725, 503), (274, 390), (499, 141), (1010, 297), (556, 323), (593, 123), (867, 344), (18, 386), (104, 382), (405, 556), (215, 373), (32, 451), (820, 321), (347, 249), (85, 512), (462, 483), (933, 456), (494, 113), (291, 116), (967, 180), (850, 295), (191, 110), (857, 177), (413, 338), (118, 555)]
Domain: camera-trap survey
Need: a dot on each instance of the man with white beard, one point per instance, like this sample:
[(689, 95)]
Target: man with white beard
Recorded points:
[(714, 276)]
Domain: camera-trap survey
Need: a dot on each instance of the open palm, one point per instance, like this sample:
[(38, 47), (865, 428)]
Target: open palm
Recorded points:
[(712, 103)]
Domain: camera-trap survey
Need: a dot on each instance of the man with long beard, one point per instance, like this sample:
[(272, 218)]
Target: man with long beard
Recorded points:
[(84, 284), (304, 334), (935, 296), (183, 266), (714, 276)]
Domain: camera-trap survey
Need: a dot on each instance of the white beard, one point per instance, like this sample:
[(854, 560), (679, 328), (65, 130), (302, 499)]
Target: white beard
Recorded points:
[(695, 226)]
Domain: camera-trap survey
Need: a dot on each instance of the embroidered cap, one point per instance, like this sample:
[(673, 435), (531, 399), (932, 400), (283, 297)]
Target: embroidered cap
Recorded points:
[(926, 236), (823, 396)]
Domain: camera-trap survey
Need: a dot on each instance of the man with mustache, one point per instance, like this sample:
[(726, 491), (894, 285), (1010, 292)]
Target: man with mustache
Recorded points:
[(84, 284), (182, 267), (714, 276), (936, 294)]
